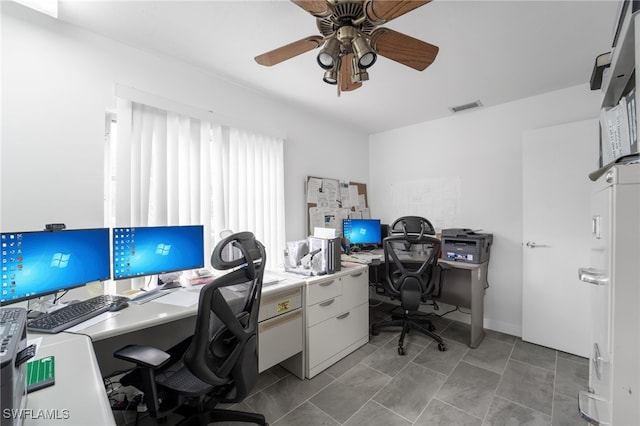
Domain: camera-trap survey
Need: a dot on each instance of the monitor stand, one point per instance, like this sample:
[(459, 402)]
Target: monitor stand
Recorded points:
[(168, 281)]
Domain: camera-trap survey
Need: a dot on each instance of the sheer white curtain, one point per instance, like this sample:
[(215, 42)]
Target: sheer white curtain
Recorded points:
[(248, 187), (172, 169)]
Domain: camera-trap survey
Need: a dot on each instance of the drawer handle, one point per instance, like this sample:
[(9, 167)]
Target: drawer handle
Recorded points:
[(327, 303), (343, 316), (356, 275), (593, 408), (593, 276), (324, 284)]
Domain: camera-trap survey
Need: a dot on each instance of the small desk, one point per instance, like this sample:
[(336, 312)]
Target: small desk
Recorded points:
[(78, 396), (464, 286)]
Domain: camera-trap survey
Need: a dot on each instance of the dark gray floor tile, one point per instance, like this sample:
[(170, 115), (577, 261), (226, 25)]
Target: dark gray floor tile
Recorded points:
[(565, 411), (440, 323), (351, 360), (306, 414), (457, 331), (384, 337), (409, 392), (443, 362), (279, 371), (342, 398), (504, 412), (265, 379), (534, 355), (387, 360), (502, 337), (283, 396), (491, 354), (574, 358), (470, 388), (373, 414), (439, 413), (571, 377), (528, 385)]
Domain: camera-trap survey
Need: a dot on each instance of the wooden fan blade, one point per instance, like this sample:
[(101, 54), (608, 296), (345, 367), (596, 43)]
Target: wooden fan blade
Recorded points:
[(401, 48), (318, 8), (344, 79), (289, 51), (381, 11)]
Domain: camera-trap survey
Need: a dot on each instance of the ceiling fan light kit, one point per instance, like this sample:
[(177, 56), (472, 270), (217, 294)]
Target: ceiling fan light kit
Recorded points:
[(352, 40)]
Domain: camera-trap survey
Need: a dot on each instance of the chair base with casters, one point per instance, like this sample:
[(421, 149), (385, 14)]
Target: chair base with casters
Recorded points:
[(412, 276), (409, 321)]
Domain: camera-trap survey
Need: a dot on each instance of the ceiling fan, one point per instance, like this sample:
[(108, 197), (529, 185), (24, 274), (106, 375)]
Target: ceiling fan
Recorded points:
[(351, 39)]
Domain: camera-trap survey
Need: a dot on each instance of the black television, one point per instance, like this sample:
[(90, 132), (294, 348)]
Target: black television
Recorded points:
[(153, 250), (362, 232), (39, 263)]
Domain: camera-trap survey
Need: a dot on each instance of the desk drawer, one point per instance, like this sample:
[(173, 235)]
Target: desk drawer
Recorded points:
[(279, 339), (324, 290), (273, 305), (324, 310), (355, 290), (328, 338)]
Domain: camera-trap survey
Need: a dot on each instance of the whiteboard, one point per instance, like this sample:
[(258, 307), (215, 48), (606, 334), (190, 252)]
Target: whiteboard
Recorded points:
[(436, 199)]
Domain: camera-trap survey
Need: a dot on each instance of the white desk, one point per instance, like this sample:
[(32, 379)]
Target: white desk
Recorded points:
[(78, 396), (163, 325)]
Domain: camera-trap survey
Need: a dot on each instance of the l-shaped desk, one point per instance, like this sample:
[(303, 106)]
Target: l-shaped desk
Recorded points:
[(464, 286), (306, 324)]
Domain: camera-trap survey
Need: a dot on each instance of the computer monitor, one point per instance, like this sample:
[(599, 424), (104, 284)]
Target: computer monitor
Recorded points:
[(151, 250), (362, 231), (35, 264)]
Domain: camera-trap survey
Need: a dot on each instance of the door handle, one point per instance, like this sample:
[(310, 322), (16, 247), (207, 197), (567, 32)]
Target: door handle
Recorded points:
[(533, 244)]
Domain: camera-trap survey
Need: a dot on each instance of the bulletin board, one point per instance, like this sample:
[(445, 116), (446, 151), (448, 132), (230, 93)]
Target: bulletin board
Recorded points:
[(329, 201)]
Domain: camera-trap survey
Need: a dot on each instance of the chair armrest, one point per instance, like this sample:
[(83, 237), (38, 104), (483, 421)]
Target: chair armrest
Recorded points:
[(146, 356)]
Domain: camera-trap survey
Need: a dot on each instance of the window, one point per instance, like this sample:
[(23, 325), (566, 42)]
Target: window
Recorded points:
[(166, 168)]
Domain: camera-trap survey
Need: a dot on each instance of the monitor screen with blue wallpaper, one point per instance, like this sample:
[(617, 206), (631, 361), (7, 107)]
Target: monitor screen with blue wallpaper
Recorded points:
[(39, 263), (150, 250), (362, 231)]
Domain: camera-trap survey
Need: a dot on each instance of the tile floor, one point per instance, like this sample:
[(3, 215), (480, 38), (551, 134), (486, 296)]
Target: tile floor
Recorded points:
[(504, 381)]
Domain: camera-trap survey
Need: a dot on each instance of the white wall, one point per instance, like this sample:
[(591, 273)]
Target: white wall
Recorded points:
[(483, 149), (58, 82)]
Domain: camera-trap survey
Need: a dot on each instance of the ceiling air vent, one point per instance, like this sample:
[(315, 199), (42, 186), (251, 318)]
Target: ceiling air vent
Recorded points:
[(465, 107)]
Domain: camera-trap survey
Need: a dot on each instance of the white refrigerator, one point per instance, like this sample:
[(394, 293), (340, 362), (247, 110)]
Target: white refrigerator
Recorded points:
[(613, 396)]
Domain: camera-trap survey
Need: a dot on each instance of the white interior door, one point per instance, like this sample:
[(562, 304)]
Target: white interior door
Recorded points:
[(556, 233)]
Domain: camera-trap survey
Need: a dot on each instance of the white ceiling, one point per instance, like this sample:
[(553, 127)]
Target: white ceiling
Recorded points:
[(492, 51)]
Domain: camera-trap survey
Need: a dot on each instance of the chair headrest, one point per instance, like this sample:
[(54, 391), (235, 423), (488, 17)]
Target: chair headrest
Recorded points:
[(413, 225), (238, 249)]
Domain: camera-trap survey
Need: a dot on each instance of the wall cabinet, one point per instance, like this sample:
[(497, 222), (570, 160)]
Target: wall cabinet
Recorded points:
[(337, 317)]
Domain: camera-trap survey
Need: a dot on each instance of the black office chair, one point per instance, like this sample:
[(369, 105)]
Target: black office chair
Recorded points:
[(413, 276), (412, 225), (220, 361)]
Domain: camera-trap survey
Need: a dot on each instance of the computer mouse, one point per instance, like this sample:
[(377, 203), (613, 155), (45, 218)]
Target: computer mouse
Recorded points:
[(115, 307)]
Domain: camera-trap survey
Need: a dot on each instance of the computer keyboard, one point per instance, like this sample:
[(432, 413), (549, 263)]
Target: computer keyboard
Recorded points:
[(73, 314)]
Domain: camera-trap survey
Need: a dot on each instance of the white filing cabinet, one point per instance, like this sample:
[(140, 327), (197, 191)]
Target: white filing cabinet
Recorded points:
[(280, 328), (337, 317), (614, 277)]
